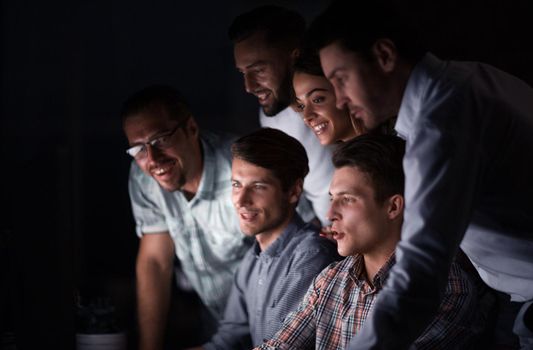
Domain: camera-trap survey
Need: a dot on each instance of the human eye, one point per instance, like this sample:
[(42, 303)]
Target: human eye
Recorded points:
[(136, 151), (318, 99), (235, 184), (339, 79), (299, 107), (259, 186), (347, 199), (161, 141)]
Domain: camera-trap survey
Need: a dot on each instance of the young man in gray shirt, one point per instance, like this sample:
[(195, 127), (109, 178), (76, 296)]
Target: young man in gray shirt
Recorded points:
[(267, 179)]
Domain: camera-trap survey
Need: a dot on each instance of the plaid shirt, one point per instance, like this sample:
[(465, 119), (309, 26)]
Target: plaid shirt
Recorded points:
[(340, 299)]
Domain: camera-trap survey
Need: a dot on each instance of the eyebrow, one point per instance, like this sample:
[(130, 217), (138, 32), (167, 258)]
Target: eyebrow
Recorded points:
[(342, 193), (310, 93), (260, 181), (153, 137), (255, 64), (314, 90)]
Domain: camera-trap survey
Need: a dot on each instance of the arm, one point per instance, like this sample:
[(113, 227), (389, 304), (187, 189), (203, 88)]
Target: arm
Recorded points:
[(154, 276), (444, 167)]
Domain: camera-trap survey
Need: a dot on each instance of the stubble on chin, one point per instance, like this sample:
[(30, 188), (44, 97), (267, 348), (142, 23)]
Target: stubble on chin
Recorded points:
[(277, 106)]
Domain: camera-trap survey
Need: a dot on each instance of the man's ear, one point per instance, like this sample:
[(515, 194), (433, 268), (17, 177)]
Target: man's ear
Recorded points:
[(395, 206), (191, 127), (386, 54), (294, 55), (295, 191)]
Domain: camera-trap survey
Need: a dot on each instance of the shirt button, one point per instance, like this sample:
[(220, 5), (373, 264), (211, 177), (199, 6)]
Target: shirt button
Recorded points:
[(260, 282)]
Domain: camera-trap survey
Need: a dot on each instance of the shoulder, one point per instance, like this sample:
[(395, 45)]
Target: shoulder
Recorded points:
[(308, 238), (218, 142), (335, 271), (459, 282), (307, 244), (217, 151), (287, 121)]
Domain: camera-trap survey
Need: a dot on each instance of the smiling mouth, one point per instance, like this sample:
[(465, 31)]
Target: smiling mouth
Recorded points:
[(162, 170), (319, 128), (248, 215), (263, 97)]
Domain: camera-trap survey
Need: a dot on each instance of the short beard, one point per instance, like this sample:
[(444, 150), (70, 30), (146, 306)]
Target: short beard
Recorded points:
[(283, 101), (275, 108), (175, 185)]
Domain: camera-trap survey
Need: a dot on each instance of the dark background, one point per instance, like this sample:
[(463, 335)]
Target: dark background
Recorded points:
[(65, 225)]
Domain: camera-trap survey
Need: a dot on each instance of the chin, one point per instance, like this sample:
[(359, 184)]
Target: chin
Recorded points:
[(269, 112), (171, 186), (247, 231), (273, 109), (325, 141)]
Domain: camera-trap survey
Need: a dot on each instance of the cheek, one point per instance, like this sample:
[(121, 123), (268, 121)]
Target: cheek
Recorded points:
[(350, 222), (143, 164), (234, 198)]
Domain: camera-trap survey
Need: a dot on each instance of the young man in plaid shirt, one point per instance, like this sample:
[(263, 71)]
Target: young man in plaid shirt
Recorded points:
[(366, 210)]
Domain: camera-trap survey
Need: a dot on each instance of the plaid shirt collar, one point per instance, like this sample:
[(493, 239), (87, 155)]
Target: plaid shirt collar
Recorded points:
[(357, 272)]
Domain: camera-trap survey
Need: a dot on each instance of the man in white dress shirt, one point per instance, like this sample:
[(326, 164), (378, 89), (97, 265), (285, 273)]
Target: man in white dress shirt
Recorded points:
[(469, 140), (266, 42)]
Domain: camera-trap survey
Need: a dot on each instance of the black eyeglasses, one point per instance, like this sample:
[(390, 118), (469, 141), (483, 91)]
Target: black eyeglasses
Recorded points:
[(160, 142)]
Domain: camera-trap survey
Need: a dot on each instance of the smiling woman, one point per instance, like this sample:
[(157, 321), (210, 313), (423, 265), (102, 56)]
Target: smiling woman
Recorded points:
[(314, 98)]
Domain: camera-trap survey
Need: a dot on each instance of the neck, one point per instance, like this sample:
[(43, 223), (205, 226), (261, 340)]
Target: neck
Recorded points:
[(266, 238), (373, 263), (376, 259), (402, 77)]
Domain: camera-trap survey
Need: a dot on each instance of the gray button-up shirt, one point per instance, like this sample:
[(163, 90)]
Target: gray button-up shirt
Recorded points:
[(270, 284)]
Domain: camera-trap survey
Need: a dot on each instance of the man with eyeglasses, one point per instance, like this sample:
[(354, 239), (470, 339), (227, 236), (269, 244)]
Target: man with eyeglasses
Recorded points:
[(180, 191)]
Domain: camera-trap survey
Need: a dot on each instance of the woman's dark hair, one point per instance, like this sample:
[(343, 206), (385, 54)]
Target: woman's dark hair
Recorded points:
[(308, 62)]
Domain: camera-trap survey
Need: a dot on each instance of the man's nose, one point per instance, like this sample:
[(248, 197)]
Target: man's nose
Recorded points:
[(331, 214), (341, 98), (153, 154), (250, 83), (242, 198)]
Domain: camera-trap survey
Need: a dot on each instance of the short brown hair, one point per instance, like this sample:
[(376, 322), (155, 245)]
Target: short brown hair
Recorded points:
[(156, 98), (281, 26), (380, 157), (276, 151)]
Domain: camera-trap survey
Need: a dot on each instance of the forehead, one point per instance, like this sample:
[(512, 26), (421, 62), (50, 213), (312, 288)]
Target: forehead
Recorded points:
[(143, 125), (253, 49), (242, 170), (350, 179), (334, 56)]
